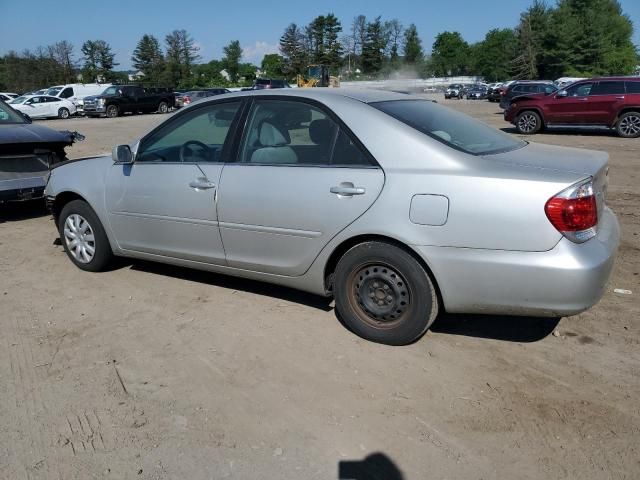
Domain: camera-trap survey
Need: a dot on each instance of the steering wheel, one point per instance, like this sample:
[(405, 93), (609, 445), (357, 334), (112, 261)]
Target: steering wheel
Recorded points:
[(208, 151)]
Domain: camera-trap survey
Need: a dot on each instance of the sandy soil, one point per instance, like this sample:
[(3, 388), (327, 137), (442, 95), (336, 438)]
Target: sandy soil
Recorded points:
[(156, 372)]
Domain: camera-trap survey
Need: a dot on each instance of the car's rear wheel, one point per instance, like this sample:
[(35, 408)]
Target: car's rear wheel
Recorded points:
[(113, 111), (628, 125), (383, 294), (163, 107), (63, 113), (83, 237), (528, 122)]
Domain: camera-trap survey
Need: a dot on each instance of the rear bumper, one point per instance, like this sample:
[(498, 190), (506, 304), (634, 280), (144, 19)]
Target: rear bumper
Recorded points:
[(566, 280), (22, 189)]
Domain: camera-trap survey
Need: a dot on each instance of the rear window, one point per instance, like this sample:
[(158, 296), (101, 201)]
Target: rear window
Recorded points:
[(633, 87), (608, 88), (447, 126)]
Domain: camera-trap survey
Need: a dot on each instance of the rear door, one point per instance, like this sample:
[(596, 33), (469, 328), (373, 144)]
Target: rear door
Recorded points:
[(300, 178), (605, 100)]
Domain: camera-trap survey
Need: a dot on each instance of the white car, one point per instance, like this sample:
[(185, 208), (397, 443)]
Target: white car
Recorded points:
[(43, 106), (7, 97)]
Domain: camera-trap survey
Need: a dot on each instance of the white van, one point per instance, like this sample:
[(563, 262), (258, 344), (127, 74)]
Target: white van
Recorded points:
[(76, 92)]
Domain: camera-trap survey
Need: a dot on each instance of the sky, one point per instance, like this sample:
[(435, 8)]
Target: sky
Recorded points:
[(257, 24)]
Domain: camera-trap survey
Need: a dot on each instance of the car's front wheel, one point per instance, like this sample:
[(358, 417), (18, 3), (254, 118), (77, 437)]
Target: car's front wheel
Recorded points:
[(384, 294), (628, 125), (83, 237), (113, 111), (528, 123)]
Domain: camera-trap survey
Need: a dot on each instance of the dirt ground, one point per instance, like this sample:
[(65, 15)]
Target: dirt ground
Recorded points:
[(157, 372)]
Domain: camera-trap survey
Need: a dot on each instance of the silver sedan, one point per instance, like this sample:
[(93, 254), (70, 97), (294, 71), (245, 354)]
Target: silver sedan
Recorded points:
[(398, 207)]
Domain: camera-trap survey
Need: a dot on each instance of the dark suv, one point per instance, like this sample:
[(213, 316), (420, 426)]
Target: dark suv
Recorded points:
[(612, 102), (527, 87)]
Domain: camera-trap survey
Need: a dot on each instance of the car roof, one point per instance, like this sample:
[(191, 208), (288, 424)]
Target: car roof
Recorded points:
[(364, 95), (626, 79)]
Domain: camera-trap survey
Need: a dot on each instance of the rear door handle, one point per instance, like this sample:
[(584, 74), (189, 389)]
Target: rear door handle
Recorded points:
[(347, 191), (202, 184)]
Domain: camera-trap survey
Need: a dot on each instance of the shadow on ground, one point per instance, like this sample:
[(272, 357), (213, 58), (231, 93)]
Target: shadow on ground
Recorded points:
[(233, 283), (376, 466), (15, 211), (497, 327)]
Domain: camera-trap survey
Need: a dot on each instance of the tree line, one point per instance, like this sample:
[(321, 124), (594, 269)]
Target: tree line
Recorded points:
[(571, 38)]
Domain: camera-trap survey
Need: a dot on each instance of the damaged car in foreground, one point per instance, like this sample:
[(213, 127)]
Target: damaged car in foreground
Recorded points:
[(27, 151)]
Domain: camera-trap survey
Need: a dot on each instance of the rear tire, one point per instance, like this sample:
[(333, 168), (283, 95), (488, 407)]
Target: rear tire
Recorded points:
[(628, 125), (112, 111), (64, 113), (83, 237), (383, 294), (163, 107), (528, 122)]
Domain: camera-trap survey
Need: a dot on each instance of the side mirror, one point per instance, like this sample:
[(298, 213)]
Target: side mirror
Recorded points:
[(561, 94), (122, 154)]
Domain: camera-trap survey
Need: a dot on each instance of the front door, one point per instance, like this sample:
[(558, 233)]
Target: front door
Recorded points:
[(300, 179), (165, 202), (572, 108)]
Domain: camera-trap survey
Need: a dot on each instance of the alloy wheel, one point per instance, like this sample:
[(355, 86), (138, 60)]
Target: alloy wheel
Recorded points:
[(630, 125), (527, 123), (79, 238)]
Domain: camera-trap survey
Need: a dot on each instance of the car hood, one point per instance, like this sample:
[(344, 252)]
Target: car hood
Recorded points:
[(528, 96), (30, 133), (551, 157)]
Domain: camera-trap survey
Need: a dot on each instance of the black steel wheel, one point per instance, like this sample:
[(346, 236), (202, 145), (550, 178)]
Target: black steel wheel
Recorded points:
[(384, 294), (113, 111)]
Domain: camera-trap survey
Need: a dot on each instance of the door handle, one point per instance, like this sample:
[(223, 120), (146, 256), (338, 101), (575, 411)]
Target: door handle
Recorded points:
[(202, 184), (584, 99), (620, 98), (347, 191)]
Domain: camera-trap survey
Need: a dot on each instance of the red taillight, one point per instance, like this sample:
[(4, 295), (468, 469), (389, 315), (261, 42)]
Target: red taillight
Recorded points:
[(574, 212), (186, 99)]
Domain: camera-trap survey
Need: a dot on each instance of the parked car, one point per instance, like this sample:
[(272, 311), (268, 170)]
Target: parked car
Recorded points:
[(43, 106), (455, 90), (26, 153), (295, 187), (120, 99), (612, 102), (476, 92), (76, 92), (525, 87), (262, 83), (494, 92), (188, 97), (6, 96), (566, 81)]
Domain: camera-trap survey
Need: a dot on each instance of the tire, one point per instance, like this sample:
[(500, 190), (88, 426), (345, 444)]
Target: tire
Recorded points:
[(163, 107), (628, 125), (528, 122), (78, 214), (112, 111), (367, 272), (64, 113)]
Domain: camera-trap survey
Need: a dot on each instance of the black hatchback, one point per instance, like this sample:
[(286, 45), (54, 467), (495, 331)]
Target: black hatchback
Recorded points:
[(520, 88)]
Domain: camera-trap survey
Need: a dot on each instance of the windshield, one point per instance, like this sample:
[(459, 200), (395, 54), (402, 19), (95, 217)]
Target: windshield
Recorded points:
[(447, 126), (18, 100), (9, 115), (110, 91), (53, 91)]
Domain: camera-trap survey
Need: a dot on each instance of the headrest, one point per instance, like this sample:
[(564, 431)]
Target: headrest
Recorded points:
[(271, 136), (321, 131)]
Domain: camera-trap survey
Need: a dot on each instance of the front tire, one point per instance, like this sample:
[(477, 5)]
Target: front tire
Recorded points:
[(64, 113), (383, 294), (112, 111), (83, 237), (528, 123), (628, 125)]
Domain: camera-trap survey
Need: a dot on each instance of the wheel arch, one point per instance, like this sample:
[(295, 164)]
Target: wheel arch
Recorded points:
[(531, 108), (346, 245), (61, 200), (626, 109)]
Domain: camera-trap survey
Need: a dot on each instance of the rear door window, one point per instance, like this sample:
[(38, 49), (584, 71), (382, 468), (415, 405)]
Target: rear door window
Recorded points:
[(633, 87), (608, 88)]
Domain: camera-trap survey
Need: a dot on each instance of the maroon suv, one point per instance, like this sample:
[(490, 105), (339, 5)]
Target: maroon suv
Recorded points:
[(612, 102)]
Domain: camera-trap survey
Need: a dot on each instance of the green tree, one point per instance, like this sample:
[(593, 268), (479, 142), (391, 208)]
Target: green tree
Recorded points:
[(332, 47), (147, 58), (182, 55), (315, 35), (530, 34), (493, 56), (373, 47), (412, 45), (292, 47), (232, 56), (450, 54), (273, 65), (587, 38), (99, 61)]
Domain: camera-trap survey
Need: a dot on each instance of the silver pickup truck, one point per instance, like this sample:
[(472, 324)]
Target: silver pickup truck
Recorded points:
[(27, 151)]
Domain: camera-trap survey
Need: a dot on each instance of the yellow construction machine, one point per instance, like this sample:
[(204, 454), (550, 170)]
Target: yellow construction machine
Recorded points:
[(318, 76)]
